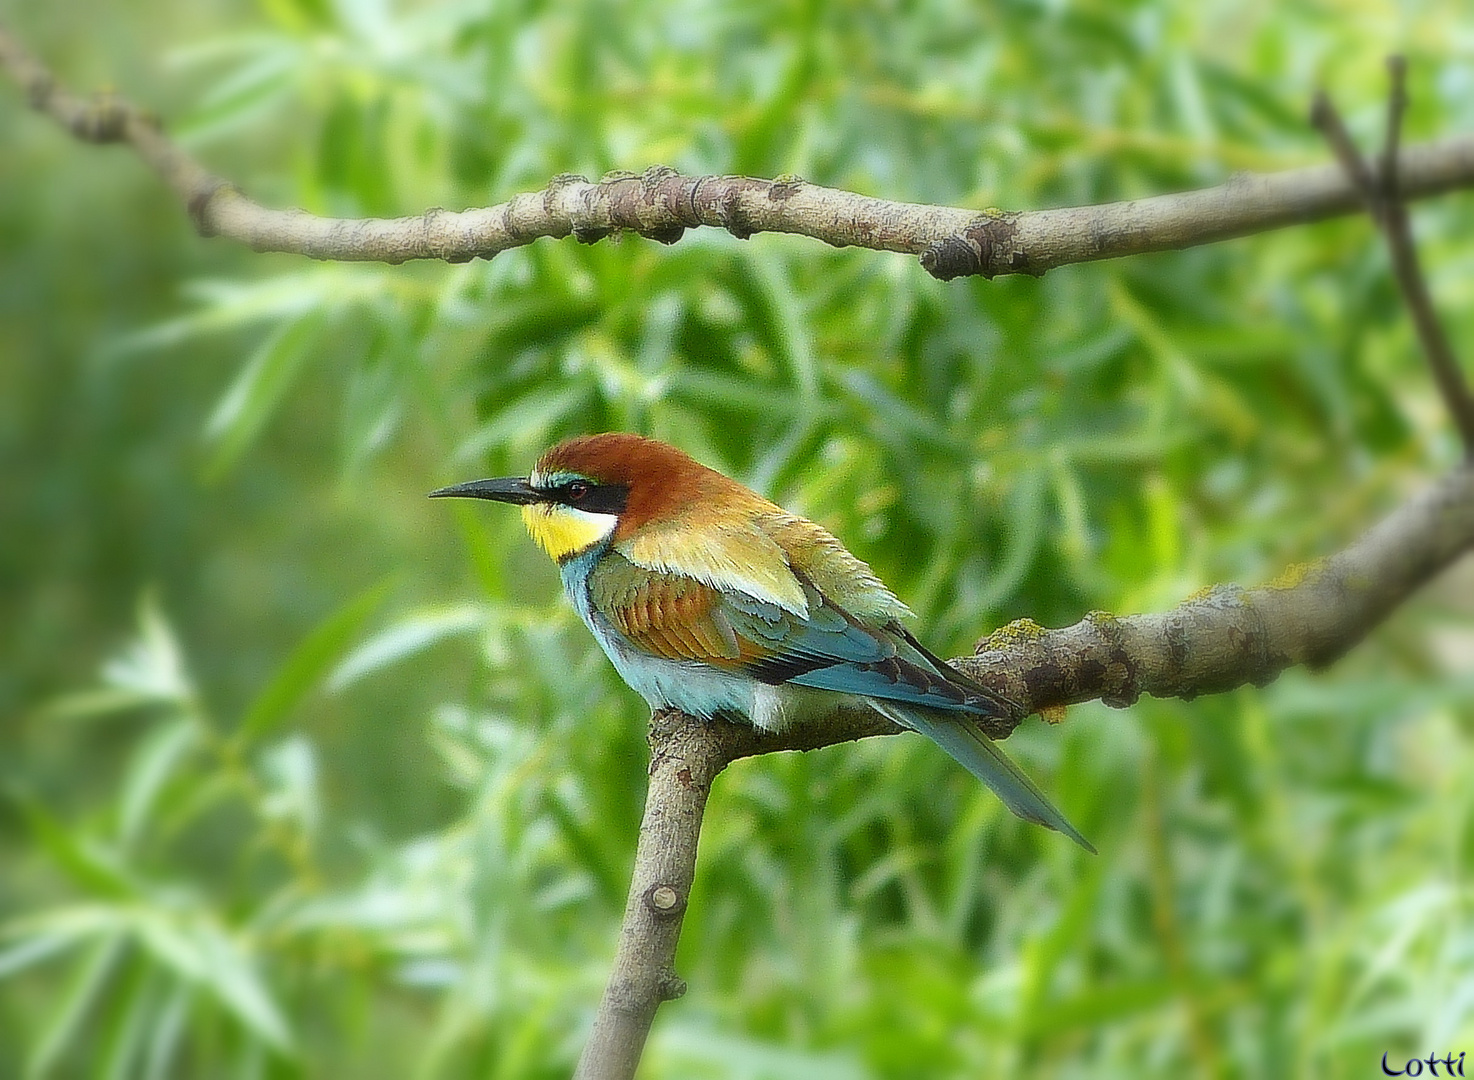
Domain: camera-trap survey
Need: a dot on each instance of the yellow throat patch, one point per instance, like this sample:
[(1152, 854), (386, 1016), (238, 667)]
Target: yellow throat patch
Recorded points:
[(562, 531)]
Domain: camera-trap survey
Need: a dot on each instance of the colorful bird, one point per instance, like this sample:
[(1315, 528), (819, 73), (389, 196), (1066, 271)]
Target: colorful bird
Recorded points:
[(709, 598)]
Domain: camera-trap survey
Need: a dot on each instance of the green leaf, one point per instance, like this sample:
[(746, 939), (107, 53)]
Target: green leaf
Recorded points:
[(527, 420), (167, 1029), (235, 980), (153, 665), (232, 305), (197, 948), (72, 1008), (32, 950), (1025, 516), (153, 764), (1102, 1005), (255, 393), (255, 87), (290, 769), (309, 664), (91, 866), (94, 704), (412, 634), (129, 1010)]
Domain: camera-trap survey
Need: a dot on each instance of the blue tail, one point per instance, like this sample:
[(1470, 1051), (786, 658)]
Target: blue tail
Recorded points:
[(979, 755)]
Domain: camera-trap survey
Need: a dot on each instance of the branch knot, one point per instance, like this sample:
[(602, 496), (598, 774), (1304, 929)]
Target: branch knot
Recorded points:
[(986, 248), (664, 900), (670, 985), (104, 120)]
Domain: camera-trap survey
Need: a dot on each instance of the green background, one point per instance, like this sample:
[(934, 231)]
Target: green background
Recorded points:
[(303, 775)]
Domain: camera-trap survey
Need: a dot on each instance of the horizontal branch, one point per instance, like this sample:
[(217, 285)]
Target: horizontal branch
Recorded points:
[(1226, 637), (661, 204)]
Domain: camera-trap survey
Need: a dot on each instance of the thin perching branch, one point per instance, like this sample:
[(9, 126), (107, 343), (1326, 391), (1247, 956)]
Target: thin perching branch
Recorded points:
[(1226, 638), (662, 204), (1383, 194)]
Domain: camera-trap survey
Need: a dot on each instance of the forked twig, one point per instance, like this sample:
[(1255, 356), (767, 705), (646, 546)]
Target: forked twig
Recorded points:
[(1382, 193)]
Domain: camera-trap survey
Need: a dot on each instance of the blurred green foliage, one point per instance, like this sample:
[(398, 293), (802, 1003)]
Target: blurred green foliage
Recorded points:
[(305, 776)]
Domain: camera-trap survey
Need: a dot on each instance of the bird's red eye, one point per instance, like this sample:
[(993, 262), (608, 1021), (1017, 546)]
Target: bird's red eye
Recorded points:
[(576, 490)]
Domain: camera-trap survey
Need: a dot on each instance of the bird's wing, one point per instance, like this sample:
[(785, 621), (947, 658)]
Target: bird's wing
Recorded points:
[(678, 617), (668, 615), (681, 618)]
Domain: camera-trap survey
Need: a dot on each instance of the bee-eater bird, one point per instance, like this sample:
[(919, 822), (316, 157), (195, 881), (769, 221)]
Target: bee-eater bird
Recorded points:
[(709, 598)]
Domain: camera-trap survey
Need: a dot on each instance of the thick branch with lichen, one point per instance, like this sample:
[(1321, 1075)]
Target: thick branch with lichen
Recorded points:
[(661, 204), (1224, 638), (1229, 636)]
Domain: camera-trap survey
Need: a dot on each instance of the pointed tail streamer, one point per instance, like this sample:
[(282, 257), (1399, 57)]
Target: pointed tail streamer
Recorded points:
[(981, 756)]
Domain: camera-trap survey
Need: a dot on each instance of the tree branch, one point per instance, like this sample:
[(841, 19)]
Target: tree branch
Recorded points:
[(661, 204), (684, 759), (1227, 637), (1382, 193)]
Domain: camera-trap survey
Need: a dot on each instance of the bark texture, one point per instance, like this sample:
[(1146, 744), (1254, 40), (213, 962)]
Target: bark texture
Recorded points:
[(662, 204), (684, 760)]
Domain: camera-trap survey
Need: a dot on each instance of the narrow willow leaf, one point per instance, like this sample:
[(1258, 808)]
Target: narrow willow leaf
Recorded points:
[(587, 848), (163, 1044), (792, 334), (1110, 1003), (73, 1006), (374, 406), (32, 950), (231, 305), (527, 420), (89, 865), (153, 764), (129, 1009), (255, 86), (153, 665), (256, 391), (1025, 515), (710, 389), (412, 634), (95, 704), (234, 978), (291, 771), (195, 947), (895, 414), (308, 664), (695, 1049)]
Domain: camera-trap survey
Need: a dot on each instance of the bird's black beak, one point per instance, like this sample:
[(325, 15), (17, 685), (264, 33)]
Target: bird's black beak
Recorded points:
[(507, 489)]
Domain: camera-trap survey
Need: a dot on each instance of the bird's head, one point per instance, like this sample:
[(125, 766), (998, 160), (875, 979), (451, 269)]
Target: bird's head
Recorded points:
[(595, 489)]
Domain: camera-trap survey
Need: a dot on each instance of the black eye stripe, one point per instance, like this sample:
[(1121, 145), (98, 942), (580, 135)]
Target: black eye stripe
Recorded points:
[(588, 496)]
